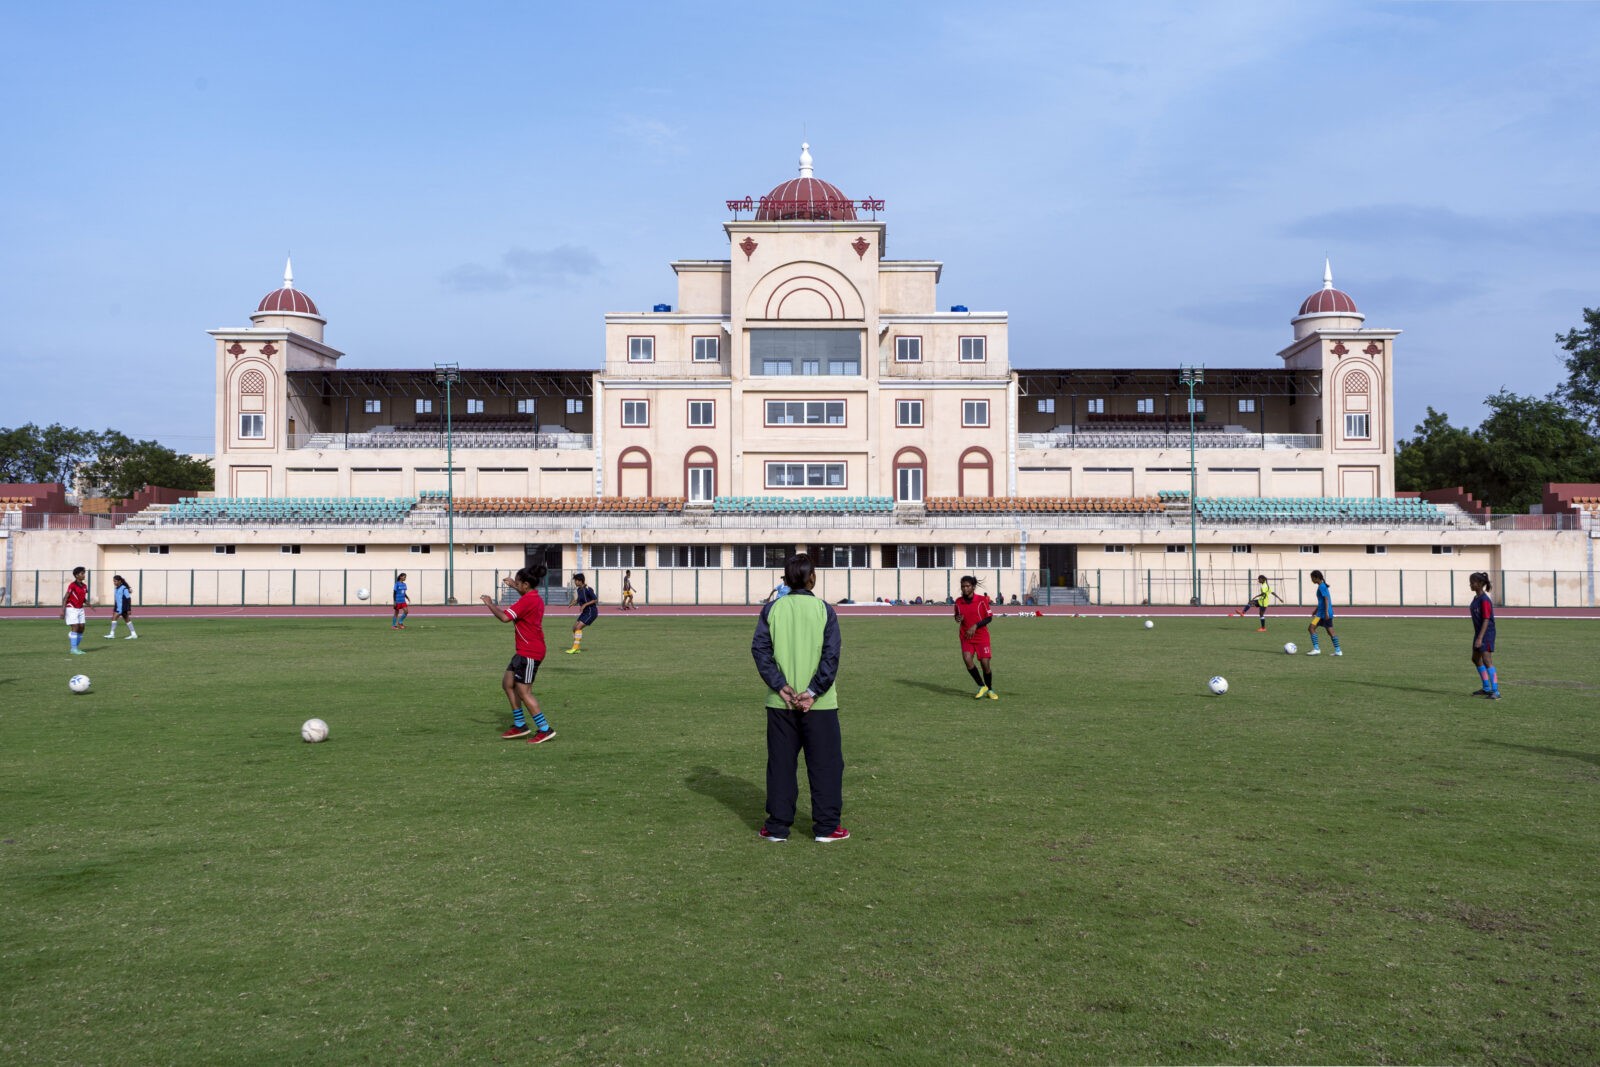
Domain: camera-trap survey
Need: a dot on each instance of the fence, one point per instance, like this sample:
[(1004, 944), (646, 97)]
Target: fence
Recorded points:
[(719, 586)]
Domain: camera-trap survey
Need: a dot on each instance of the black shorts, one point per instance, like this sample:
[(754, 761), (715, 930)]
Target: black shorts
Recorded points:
[(125, 613), (588, 615), (1322, 620), (523, 669)]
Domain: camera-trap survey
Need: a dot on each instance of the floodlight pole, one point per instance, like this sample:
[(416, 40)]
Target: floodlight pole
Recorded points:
[(447, 374), (1192, 374)]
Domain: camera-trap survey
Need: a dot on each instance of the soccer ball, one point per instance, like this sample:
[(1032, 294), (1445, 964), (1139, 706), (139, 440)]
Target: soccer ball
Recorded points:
[(363, 593), (1219, 685), (1291, 648), (1149, 625), (79, 683), (313, 731)]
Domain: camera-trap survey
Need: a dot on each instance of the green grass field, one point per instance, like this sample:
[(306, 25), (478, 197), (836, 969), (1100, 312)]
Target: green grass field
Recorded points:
[(1343, 860)]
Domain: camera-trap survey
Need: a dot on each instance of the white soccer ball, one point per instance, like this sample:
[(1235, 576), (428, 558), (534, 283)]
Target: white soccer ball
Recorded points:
[(313, 731), (1291, 648), (363, 593), (79, 683), (1219, 685), (1149, 624)]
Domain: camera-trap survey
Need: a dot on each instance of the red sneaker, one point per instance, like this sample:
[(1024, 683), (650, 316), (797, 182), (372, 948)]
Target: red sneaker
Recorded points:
[(768, 835), (542, 737), (839, 834), (515, 732)]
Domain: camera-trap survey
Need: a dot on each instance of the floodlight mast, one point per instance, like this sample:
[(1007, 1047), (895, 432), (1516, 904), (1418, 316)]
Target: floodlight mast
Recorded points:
[(447, 374), (1192, 374)]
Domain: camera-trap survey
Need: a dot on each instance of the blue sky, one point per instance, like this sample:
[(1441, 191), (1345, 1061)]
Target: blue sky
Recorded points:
[(1138, 184)]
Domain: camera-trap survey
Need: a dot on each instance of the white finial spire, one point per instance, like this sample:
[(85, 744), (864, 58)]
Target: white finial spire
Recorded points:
[(805, 160), (1327, 274), (288, 272)]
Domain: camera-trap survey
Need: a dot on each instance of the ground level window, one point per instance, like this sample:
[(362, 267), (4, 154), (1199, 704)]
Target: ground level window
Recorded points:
[(1116, 548), (1177, 550), (759, 556), (907, 557), (1377, 550), (988, 555), (698, 556), (1444, 550), (838, 555), (1241, 550), (616, 556), (1310, 550)]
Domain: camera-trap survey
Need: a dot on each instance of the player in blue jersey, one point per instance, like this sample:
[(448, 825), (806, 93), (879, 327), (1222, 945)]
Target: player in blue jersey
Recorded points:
[(121, 607), (1323, 616), (588, 602), (1483, 636), (402, 602)]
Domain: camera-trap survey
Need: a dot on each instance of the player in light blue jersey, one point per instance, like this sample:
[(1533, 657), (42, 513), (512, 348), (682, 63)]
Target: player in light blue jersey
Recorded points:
[(402, 602), (1323, 616)]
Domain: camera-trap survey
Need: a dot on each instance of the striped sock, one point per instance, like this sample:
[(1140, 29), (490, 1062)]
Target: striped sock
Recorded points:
[(1314, 645), (540, 723), (518, 719), (1335, 643), (1494, 682), (1483, 677)]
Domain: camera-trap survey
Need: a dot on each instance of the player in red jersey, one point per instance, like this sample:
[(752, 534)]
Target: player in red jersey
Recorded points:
[(528, 615), (972, 614), (74, 608)]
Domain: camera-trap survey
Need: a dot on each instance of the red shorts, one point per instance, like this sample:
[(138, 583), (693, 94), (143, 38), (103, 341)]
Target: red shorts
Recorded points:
[(978, 645)]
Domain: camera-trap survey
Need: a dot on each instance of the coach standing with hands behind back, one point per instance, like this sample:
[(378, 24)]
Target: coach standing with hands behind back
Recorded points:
[(797, 642)]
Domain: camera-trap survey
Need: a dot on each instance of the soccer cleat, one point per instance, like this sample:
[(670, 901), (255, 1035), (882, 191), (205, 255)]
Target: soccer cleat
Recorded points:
[(515, 732), (767, 835), (1493, 694), (131, 637), (993, 695), (1261, 629), (1338, 652), (572, 651), (839, 834), (110, 636), (982, 692), (1315, 652), (541, 738), (78, 652)]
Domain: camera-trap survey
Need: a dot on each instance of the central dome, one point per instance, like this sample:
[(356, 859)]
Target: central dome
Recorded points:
[(806, 198)]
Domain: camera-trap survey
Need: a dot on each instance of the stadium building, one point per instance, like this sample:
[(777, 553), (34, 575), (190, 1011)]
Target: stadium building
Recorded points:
[(809, 392)]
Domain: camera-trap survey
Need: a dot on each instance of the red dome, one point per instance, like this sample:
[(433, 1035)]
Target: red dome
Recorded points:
[(288, 301), (1328, 302), (807, 199)]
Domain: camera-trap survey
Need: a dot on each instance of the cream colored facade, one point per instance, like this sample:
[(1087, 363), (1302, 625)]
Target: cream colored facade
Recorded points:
[(805, 364)]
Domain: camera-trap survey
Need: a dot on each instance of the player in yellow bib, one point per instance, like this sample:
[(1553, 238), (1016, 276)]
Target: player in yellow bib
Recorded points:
[(1263, 598)]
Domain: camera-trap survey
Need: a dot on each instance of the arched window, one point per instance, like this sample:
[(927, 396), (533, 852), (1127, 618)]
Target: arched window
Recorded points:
[(633, 472), (975, 473), (910, 475), (700, 475)]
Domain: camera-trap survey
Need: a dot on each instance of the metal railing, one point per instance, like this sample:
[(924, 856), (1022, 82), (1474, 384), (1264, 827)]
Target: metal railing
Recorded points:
[(407, 440), (1210, 439)]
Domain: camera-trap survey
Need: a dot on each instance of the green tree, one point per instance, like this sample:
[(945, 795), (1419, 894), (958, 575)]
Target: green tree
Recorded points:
[(123, 466), (52, 454), (1439, 457), (1528, 442), (1582, 389)]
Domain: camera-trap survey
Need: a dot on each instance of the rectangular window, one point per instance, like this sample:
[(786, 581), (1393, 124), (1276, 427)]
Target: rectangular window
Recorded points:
[(1147, 406), (908, 350), (812, 367), (908, 557), (1196, 404), (641, 350), (474, 407), (974, 349), (355, 550), (160, 550), (1356, 425), (702, 413), (696, 556), (974, 413), (619, 556), (1096, 405), (1047, 405), (636, 413), (838, 555), (223, 550), (908, 485), (707, 349), (782, 352), (1246, 406), (289, 550), (252, 427), (421, 550), (1311, 550), (526, 406), (805, 413), (1377, 550), (988, 555), (372, 407), (574, 405), (424, 407), (1177, 550), (1241, 550), (799, 475), (1444, 550), (747, 557), (1117, 548), (908, 413), (482, 550)]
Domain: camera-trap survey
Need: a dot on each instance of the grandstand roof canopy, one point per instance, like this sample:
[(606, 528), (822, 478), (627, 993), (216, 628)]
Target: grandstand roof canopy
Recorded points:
[(411, 383), (1219, 381)]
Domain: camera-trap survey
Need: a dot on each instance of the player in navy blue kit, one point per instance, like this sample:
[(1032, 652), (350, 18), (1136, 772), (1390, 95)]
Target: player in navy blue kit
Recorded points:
[(588, 602), (1323, 617), (1483, 635)]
